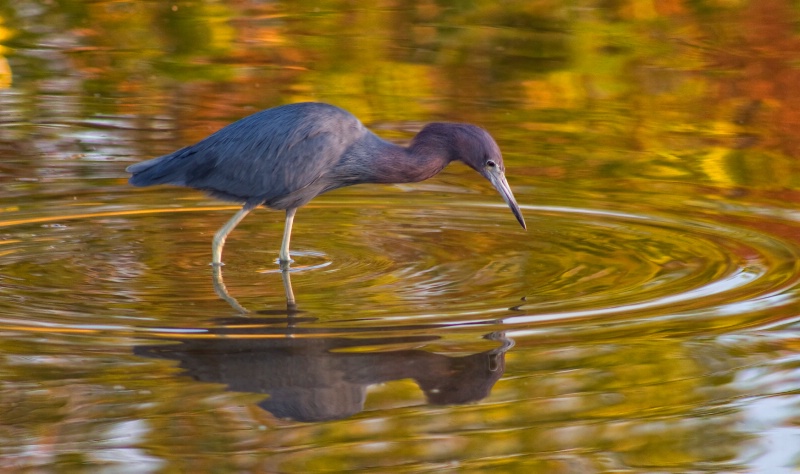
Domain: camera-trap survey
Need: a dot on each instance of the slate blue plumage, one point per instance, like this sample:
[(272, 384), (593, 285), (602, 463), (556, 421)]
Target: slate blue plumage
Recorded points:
[(285, 156)]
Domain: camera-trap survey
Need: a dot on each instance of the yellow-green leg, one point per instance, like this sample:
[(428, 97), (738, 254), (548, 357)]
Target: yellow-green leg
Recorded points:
[(287, 236), (222, 234)]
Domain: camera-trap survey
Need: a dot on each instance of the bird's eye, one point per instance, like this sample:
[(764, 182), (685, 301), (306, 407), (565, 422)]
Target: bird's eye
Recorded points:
[(491, 164)]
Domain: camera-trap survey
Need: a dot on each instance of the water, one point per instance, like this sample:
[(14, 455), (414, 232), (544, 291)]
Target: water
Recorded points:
[(645, 322)]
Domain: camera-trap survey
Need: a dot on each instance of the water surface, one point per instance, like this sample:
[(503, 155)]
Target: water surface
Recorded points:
[(646, 321)]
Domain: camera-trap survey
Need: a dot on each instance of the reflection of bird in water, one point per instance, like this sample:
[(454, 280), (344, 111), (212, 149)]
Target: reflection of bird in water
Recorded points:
[(222, 290), (285, 156), (315, 378)]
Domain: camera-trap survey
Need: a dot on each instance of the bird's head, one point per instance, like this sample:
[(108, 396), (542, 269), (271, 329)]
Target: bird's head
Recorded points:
[(475, 147)]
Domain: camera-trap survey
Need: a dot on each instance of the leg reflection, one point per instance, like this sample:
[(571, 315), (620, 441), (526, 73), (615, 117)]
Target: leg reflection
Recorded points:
[(287, 286), (222, 291)]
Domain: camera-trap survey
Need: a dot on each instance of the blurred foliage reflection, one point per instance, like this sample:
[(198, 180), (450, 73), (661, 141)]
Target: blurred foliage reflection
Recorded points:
[(683, 113)]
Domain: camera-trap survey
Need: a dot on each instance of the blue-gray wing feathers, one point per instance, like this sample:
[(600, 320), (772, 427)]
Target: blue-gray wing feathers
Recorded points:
[(278, 157)]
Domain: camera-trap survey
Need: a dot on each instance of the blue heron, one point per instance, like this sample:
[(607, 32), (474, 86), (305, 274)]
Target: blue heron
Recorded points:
[(285, 156)]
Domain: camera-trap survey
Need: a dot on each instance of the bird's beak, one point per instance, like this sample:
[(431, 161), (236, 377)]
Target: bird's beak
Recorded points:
[(498, 180)]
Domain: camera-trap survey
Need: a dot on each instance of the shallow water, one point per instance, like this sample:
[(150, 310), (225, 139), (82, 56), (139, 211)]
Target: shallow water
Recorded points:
[(646, 321)]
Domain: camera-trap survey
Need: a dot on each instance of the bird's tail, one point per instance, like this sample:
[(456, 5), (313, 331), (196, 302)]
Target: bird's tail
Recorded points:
[(162, 170)]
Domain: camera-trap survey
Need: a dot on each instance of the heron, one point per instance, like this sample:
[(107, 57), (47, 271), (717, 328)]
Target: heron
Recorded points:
[(285, 156)]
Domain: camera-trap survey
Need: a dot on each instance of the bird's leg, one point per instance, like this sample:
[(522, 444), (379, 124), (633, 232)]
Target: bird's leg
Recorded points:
[(287, 236), (222, 234)]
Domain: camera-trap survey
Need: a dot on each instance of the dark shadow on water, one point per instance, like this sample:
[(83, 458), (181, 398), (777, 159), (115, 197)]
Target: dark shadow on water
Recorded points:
[(317, 373), (308, 380)]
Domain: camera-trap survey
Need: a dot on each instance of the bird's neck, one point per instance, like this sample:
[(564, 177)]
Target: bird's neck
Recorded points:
[(390, 163), (422, 162)]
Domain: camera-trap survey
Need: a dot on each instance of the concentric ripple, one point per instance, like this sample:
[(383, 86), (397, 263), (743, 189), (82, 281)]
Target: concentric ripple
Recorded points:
[(621, 263), (362, 263)]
